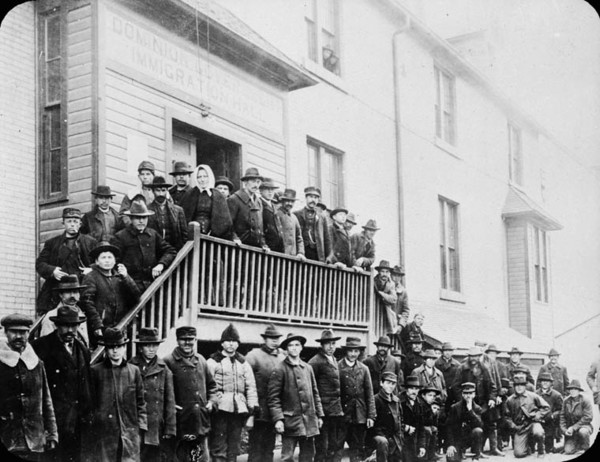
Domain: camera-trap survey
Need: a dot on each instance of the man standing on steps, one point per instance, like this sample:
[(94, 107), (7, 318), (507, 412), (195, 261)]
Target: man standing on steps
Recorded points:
[(181, 174)]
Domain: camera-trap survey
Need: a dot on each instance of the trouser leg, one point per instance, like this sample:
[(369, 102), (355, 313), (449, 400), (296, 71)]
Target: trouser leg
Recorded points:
[(217, 441), (307, 449), (476, 440), (355, 437), (288, 444), (261, 442), (537, 433), (322, 441), (150, 453), (381, 448), (521, 444)]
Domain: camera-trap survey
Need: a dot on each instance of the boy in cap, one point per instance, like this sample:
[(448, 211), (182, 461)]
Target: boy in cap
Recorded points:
[(363, 246), (560, 376), (102, 222), (181, 174), (142, 192), (237, 398), (168, 219), (464, 426), (386, 433), (554, 399), (576, 419), (158, 393), (224, 186), (315, 230)]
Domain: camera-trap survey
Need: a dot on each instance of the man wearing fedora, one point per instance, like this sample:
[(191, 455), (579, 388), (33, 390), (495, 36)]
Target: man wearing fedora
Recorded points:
[(429, 375), (158, 393), (181, 174), (385, 290), (224, 186), (515, 362), (120, 417), (261, 438), (350, 222), (340, 239), (413, 328), (464, 426), (67, 253), (102, 222), (246, 210), (271, 223), (414, 355), (358, 399), (397, 274), (560, 376), (294, 402), (386, 433), (576, 419), (315, 230), (293, 244), (492, 415), (448, 366), (195, 396), (363, 246), (67, 363), (109, 291), (325, 367), (27, 419), (551, 421), (142, 192), (168, 219), (412, 419), (143, 251), (382, 361)]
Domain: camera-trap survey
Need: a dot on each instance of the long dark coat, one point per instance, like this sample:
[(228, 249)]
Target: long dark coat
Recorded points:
[(220, 219), (378, 367), (194, 387), (178, 233), (247, 218), (449, 370), (437, 380), (559, 375), (576, 413), (177, 194), (294, 399), (263, 362), (342, 248), (413, 415), (26, 410), (327, 376), (411, 362), (363, 248), (485, 387), (160, 399), (106, 299), (389, 420), (272, 227), (140, 252), (320, 232), (461, 422), (57, 253), (293, 244), (356, 392), (120, 411), (92, 224)]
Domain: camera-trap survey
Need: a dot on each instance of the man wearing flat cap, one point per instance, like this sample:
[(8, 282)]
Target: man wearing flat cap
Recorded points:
[(246, 211), (363, 246), (294, 402), (464, 426), (158, 393), (181, 174), (560, 376), (315, 230), (551, 421), (169, 219), (67, 363), (327, 374), (195, 395), (261, 438), (358, 399), (28, 423), (67, 253), (102, 222), (386, 433), (382, 361), (142, 192)]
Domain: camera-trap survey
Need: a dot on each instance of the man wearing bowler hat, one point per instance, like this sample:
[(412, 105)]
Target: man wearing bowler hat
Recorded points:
[(363, 246), (358, 399), (382, 361), (271, 223), (386, 433), (181, 174), (67, 363), (464, 426), (67, 253), (315, 230), (142, 192), (224, 186), (551, 421), (261, 438), (169, 219), (158, 393), (293, 244), (414, 355), (27, 419), (560, 376), (327, 374), (102, 222)]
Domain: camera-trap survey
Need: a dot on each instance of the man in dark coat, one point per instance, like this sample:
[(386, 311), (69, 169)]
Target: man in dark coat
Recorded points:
[(294, 402), (363, 246), (168, 219), (158, 393), (412, 329), (293, 244), (246, 210), (515, 362), (261, 439), (271, 223), (342, 249), (551, 421), (576, 419), (102, 222), (448, 367), (429, 375), (325, 367), (195, 396), (315, 231), (181, 174), (383, 361), (412, 417), (386, 433), (385, 291), (464, 426), (65, 254), (560, 376), (143, 251), (593, 380), (414, 357), (67, 363), (27, 421)]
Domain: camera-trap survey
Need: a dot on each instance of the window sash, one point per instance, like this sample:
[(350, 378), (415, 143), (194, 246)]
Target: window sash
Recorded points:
[(540, 265), (325, 172), (445, 106), (322, 31), (449, 251)]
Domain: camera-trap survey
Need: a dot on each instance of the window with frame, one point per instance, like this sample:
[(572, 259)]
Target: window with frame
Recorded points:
[(325, 168), (53, 153), (540, 265), (515, 155), (449, 249), (445, 106), (322, 30)]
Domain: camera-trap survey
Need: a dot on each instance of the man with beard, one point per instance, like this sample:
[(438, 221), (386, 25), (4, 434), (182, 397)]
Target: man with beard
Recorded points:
[(261, 438), (67, 253), (168, 219), (293, 244), (67, 363), (383, 361), (385, 291), (271, 223), (415, 327), (386, 433), (464, 426), (412, 417), (560, 376), (142, 192), (27, 421), (492, 416), (181, 174), (363, 246), (102, 222), (342, 249), (551, 421), (315, 231), (414, 356), (515, 362)]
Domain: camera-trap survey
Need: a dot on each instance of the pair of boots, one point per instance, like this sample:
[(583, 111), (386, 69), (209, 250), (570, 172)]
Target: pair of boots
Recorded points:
[(495, 444)]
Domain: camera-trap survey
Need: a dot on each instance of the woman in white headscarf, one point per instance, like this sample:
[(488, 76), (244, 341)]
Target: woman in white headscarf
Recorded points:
[(206, 205)]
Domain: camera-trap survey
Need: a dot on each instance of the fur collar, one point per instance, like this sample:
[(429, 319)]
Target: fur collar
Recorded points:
[(219, 356), (11, 357)]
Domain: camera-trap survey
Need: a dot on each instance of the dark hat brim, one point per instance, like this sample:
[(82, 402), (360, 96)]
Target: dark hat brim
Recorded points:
[(123, 342), (94, 193), (574, 388), (78, 286), (383, 344), (426, 389), (142, 342), (371, 228), (353, 347), (325, 340), (336, 211), (285, 343), (379, 268), (160, 185), (58, 320), (182, 172), (105, 248), (227, 183), (252, 177)]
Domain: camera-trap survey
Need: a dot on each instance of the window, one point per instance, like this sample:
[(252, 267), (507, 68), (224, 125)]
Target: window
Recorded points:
[(53, 152), (325, 171), (321, 18), (445, 107), (449, 251), (515, 155), (540, 264)]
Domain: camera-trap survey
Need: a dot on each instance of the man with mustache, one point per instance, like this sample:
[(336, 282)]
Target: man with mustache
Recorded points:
[(67, 363), (181, 173), (102, 222), (293, 244), (315, 232), (168, 219)]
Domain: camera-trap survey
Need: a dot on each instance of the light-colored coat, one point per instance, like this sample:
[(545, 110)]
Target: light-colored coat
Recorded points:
[(236, 387), (293, 244)]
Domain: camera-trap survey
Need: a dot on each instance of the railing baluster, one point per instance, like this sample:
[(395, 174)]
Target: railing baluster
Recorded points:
[(264, 274), (270, 285), (218, 273), (253, 276), (202, 271), (211, 279), (258, 300), (288, 287), (277, 286), (245, 285), (224, 282), (304, 284), (231, 276), (294, 274)]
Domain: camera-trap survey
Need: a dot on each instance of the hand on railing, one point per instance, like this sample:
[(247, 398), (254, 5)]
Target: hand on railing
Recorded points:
[(237, 241), (266, 248), (301, 257), (157, 270)]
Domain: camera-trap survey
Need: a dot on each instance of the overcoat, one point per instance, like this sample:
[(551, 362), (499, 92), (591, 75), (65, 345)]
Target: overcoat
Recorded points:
[(436, 380), (92, 224), (448, 370), (411, 329), (555, 401), (177, 194), (120, 411), (26, 411), (178, 233), (235, 383), (559, 375), (593, 379), (485, 388), (412, 414), (106, 299), (461, 422), (327, 375), (294, 398), (247, 218), (160, 398), (194, 388), (576, 413), (320, 233), (272, 227), (411, 362), (522, 410), (220, 219), (56, 253), (363, 248), (293, 243), (263, 361), (356, 392), (378, 366), (389, 420), (342, 248)]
